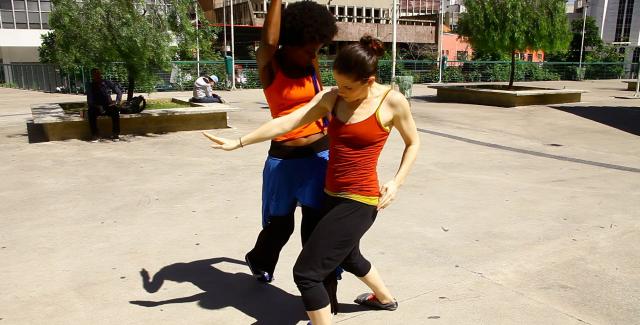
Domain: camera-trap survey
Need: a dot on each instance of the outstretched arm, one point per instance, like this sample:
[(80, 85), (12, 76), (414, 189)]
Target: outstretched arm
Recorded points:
[(314, 110), (269, 41), (403, 121)]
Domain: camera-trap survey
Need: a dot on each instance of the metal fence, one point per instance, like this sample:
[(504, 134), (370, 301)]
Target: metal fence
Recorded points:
[(182, 74), (33, 76)]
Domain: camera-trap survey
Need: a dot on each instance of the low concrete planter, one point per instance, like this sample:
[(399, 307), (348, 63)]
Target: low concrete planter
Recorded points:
[(495, 95), (631, 85), (51, 123)]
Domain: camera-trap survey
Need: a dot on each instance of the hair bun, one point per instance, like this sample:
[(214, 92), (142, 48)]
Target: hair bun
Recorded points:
[(372, 44)]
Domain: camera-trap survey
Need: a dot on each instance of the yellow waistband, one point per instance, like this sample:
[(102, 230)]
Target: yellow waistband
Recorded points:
[(370, 200)]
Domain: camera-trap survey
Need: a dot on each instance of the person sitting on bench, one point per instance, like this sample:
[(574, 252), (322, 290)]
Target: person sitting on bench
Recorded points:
[(203, 92), (99, 102)]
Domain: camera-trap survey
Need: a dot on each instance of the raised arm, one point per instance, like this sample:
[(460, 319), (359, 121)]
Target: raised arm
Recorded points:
[(403, 121), (318, 107), (269, 42)]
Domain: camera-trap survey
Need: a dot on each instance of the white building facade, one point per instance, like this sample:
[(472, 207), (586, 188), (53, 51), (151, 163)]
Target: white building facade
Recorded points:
[(618, 22), (22, 22)]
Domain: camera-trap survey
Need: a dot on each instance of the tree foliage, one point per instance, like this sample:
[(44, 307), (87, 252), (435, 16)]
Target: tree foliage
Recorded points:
[(595, 50), (591, 36), (140, 36), (510, 26)]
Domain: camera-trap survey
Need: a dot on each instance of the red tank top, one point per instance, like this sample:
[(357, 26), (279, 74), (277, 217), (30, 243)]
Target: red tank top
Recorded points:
[(354, 150), (285, 95)]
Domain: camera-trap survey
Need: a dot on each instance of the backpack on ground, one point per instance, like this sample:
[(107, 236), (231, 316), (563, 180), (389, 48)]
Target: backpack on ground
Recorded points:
[(135, 105)]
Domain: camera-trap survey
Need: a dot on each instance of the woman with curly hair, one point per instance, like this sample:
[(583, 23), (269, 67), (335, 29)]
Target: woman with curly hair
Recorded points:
[(364, 112), (296, 164)]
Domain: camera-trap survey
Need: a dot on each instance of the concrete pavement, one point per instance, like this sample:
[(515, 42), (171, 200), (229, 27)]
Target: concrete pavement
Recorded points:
[(525, 215)]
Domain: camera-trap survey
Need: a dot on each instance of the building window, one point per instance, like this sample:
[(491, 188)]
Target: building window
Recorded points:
[(32, 5), (461, 55), (18, 5), (7, 19), (45, 20), (24, 14), (623, 22), (5, 5), (45, 5), (21, 19), (34, 20)]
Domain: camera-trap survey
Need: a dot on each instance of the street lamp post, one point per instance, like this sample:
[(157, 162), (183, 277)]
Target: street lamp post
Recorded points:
[(440, 26), (584, 21), (197, 40), (637, 95), (394, 18), (233, 53), (224, 26)]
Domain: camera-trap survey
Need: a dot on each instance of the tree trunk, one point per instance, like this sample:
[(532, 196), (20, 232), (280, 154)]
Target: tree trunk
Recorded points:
[(130, 85), (512, 75)]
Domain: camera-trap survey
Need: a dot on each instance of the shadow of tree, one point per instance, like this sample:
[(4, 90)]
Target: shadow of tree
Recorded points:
[(265, 303), (624, 118)]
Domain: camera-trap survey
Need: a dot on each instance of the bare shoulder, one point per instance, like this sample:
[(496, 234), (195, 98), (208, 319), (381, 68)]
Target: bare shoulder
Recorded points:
[(328, 97), (398, 103), (330, 92)]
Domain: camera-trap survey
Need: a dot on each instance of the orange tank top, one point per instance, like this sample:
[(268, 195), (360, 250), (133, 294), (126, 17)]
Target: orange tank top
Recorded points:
[(285, 95), (354, 150)]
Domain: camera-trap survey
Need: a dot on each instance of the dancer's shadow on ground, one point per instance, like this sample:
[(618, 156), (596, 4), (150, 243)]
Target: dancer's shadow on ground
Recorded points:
[(267, 304)]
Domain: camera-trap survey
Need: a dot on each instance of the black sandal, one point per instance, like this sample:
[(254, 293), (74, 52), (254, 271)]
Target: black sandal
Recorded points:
[(370, 300)]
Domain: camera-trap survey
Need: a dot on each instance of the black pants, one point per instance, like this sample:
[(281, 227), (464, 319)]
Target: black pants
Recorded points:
[(335, 242), (95, 111), (264, 255)]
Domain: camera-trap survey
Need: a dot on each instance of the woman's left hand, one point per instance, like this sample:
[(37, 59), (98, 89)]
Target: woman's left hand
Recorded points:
[(222, 143), (387, 194)]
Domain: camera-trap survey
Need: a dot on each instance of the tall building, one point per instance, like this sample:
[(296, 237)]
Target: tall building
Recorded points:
[(21, 24), (618, 22), (417, 20)]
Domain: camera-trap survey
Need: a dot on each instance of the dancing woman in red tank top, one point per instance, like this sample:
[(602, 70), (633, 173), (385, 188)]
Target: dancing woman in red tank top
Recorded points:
[(364, 112)]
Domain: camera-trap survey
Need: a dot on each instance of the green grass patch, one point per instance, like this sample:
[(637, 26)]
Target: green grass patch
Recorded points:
[(163, 103)]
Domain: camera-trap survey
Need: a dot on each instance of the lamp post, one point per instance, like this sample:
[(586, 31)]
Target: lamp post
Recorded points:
[(197, 40), (440, 26), (584, 21), (637, 95), (233, 53), (224, 26), (394, 18)]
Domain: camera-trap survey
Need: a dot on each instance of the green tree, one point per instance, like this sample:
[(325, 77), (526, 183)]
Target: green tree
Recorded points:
[(592, 41), (511, 26), (46, 51), (591, 35), (97, 33)]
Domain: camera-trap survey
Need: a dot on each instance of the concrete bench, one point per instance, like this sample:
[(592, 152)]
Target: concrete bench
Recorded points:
[(51, 123), (521, 96), (631, 85)]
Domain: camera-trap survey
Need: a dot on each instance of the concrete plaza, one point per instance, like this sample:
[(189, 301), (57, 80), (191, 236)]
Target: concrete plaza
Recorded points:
[(527, 215)]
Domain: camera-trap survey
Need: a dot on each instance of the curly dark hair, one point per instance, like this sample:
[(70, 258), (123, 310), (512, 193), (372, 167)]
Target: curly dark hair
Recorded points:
[(307, 22)]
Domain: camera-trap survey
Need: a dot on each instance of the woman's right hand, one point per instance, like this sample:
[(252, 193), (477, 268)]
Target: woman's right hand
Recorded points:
[(222, 143)]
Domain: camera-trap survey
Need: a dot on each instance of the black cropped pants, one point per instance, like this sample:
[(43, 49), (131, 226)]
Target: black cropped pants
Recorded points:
[(335, 242)]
